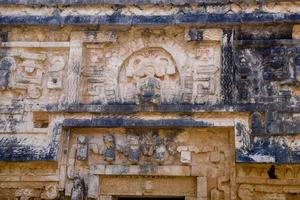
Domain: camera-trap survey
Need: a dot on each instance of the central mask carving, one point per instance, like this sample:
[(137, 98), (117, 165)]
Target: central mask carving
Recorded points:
[(149, 76)]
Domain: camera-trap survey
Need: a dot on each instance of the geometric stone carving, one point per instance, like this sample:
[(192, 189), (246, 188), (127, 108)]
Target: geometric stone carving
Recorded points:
[(187, 94), (204, 83), (55, 74), (93, 72), (28, 76)]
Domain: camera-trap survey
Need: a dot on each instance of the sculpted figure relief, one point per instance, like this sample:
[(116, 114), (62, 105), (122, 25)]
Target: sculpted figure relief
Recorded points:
[(82, 148), (133, 150), (149, 146), (78, 190), (160, 150), (149, 87), (109, 151), (149, 76)]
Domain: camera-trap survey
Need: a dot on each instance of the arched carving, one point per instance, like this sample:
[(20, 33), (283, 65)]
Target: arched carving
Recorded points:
[(149, 75)]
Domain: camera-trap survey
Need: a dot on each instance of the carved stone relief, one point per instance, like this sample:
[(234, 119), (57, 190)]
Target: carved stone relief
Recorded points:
[(257, 188), (78, 191), (82, 148), (109, 151), (55, 72), (162, 152), (149, 76), (93, 72), (28, 76), (205, 73), (267, 74), (133, 147), (7, 64)]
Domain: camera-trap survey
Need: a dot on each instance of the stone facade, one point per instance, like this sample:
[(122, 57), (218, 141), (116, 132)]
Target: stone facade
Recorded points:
[(152, 98)]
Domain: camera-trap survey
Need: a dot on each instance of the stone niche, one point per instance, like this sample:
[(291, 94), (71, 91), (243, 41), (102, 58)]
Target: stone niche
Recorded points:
[(149, 162)]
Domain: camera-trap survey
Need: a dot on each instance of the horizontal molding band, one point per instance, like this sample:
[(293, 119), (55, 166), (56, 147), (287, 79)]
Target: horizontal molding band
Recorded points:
[(153, 170), (33, 44), (125, 2), (119, 19), (135, 122), (165, 108)]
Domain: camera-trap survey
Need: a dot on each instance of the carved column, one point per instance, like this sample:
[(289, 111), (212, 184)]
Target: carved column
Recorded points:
[(201, 188), (93, 186), (227, 70), (74, 68)]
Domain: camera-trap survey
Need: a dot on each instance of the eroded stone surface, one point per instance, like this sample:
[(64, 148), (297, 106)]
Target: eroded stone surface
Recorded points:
[(204, 103)]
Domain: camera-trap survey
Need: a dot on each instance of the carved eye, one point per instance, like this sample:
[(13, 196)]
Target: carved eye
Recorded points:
[(137, 61), (54, 80)]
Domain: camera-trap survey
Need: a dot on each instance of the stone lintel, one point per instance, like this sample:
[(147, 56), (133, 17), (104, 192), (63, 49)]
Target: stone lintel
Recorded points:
[(170, 170), (135, 122), (120, 19), (186, 108)]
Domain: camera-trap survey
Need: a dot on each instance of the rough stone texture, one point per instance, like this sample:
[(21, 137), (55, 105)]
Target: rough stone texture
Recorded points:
[(195, 99), (125, 2)]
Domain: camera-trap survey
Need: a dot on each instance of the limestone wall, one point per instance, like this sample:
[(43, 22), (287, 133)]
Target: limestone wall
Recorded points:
[(194, 99)]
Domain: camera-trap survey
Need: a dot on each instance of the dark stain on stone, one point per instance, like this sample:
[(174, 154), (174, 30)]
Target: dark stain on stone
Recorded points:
[(227, 69), (272, 172), (13, 148), (182, 18), (4, 36), (148, 169), (134, 122)]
